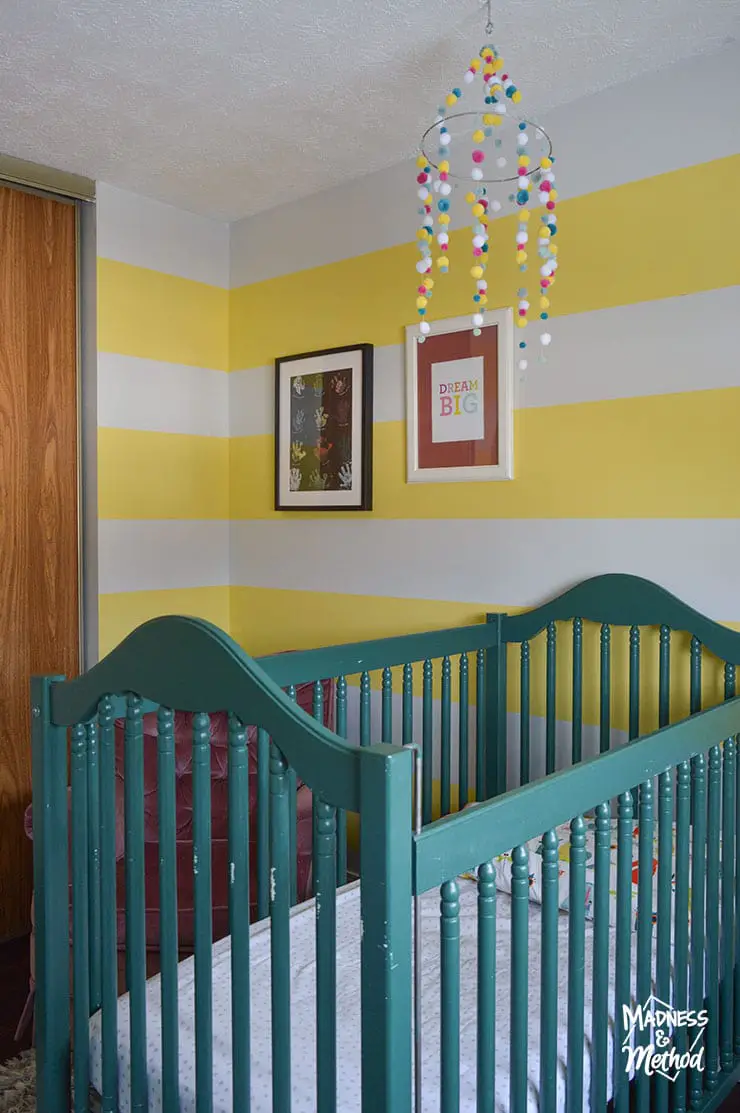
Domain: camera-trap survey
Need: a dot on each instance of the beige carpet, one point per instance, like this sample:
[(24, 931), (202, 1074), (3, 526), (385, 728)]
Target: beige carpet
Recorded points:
[(18, 1084)]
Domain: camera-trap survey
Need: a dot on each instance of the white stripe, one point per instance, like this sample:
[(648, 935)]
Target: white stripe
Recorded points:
[(489, 562), (630, 351), (156, 555), (590, 740), (594, 149), (149, 395), (252, 394), (146, 233)]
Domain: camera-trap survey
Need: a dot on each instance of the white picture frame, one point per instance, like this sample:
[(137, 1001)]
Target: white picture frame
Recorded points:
[(504, 469)]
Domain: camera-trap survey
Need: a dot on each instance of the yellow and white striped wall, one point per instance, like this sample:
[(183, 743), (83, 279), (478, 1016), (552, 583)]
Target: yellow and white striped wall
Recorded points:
[(626, 440), (163, 417), (626, 449)]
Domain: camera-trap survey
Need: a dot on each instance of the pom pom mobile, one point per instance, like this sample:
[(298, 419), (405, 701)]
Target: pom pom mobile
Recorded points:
[(529, 151)]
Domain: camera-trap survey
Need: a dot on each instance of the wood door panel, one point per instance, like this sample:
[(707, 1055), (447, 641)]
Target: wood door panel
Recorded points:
[(53, 509), (39, 625)]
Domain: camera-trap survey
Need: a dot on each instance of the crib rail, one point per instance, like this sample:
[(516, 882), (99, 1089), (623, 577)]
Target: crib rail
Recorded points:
[(426, 687), (667, 934), (452, 845), (603, 663), (189, 665)]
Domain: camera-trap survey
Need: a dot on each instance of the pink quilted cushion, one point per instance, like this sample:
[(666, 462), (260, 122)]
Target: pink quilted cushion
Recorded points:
[(219, 819)]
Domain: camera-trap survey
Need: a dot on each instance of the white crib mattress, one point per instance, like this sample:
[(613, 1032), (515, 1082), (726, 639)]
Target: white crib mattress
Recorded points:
[(348, 1013)]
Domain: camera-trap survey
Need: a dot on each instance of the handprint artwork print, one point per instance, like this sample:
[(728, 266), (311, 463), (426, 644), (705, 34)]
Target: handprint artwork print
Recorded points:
[(323, 430)]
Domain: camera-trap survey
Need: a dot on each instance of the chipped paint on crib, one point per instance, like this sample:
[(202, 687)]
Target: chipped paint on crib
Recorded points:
[(273, 884)]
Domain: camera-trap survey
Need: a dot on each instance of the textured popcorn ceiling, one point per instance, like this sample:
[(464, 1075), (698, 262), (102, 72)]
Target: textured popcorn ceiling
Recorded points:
[(228, 107)]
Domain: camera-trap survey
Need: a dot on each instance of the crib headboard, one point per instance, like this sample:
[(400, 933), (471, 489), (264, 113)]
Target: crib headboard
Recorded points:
[(617, 656)]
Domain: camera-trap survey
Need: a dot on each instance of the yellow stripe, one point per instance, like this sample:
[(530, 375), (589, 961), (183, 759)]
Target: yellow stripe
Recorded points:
[(268, 620), (654, 238), (122, 612), (159, 316), (162, 475), (665, 456)]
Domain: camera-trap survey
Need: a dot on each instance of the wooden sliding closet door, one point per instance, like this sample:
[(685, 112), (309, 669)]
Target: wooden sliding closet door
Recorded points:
[(39, 610)]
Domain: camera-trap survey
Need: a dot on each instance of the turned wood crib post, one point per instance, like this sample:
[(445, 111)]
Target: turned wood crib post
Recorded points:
[(386, 901), (495, 717), (51, 900)]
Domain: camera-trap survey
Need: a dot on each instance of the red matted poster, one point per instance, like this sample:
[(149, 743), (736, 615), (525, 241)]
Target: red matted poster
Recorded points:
[(459, 398)]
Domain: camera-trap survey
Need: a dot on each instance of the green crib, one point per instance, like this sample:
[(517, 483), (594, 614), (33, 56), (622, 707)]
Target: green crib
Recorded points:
[(546, 808)]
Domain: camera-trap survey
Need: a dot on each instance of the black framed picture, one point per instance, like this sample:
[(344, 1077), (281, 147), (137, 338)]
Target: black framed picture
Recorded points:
[(324, 429)]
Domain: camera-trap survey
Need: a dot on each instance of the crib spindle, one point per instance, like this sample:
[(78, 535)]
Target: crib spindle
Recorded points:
[(714, 814), (317, 710), (634, 689), (664, 677), (644, 927), (133, 807), (326, 956), (551, 699), (600, 996), (622, 968), (386, 726), (407, 712), (263, 824), (576, 965), (365, 709), (663, 947), (318, 714), (519, 979), (577, 737), (462, 755), (341, 726), (728, 887), (695, 673), (202, 913), (108, 901), (445, 736), (486, 997), (698, 882), (450, 996), (239, 911), (681, 920), (168, 942), (93, 853), (80, 925), (480, 725), (427, 743), (736, 974), (524, 715), (549, 976), (605, 691), (633, 729), (280, 931)]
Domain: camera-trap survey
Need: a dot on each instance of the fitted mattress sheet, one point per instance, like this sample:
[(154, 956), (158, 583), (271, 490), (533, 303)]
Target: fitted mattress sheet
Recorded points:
[(303, 1019)]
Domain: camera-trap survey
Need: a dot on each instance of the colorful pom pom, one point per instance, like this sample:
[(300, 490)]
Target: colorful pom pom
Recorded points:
[(531, 183)]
